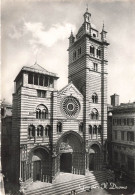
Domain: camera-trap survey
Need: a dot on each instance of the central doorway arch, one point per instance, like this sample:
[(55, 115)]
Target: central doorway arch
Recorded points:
[(70, 157)]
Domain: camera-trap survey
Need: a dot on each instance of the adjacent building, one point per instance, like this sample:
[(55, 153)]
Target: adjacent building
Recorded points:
[(121, 140), (6, 131), (64, 130)]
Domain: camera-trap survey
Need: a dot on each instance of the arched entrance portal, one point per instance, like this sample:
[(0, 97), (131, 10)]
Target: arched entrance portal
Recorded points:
[(94, 158), (40, 164), (70, 157)]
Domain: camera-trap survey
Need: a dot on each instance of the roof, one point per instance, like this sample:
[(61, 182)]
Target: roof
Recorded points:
[(36, 68), (127, 107)]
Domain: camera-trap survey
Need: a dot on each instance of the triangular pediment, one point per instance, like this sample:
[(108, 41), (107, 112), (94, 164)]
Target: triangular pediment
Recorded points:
[(38, 67), (70, 89)]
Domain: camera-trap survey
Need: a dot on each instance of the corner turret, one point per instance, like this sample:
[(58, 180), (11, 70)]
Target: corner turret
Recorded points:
[(103, 34), (71, 39)]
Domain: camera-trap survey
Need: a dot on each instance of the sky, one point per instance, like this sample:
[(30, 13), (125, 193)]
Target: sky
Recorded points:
[(38, 30)]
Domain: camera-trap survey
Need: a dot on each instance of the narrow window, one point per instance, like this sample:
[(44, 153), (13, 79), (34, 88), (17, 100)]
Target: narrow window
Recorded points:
[(30, 78), (46, 81), (115, 134), (92, 50), (35, 79), (122, 135), (41, 80), (40, 131), (59, 127), (47, 131), (90, 130), (81, 127), (51, 82)]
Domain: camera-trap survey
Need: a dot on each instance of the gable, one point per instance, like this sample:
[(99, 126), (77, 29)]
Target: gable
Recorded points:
[(70, 89)]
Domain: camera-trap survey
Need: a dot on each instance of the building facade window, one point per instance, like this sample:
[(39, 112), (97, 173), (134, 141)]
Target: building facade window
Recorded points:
[(125, 121), (47, 130), (74, 55), (94, 130), (115, 134), (92, 50), (122, 135), (41, 93), (41, 112), (94, 114), (40, 131), (95, 66), (98, 53), (81, 127), (99, 129), (94, 98), (130, 136), (90, 130), (41, 80), (35, 79), (31, 131), (30, 78), (79, 51), (59, 127)]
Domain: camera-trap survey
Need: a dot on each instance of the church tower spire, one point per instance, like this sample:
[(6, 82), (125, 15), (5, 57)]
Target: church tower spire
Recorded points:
[(87, 70), (103, 33)]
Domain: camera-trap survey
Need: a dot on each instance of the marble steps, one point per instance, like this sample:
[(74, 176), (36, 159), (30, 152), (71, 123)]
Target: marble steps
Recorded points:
[(64, 188)]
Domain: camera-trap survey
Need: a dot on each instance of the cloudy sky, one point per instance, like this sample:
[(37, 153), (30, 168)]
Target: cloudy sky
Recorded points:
[(39, 29)]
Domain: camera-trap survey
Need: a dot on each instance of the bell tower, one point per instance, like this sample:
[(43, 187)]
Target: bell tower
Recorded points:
[(87, 70)]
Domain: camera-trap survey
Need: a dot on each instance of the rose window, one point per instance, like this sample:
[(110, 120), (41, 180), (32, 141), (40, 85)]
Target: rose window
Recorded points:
[(70, 106)]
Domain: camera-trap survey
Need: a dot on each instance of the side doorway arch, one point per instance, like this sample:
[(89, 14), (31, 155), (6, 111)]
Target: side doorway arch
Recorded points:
[(95, 158), (41, 166)]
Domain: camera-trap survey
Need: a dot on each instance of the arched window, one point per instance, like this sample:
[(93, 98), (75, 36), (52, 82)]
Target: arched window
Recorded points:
[(31, 131), (90, 129), (59, 127), (94, 114), (99, 129), (40, 131), (94, 98), (92, 50), (41, 112), (44, 114), (95, 129), (81, 127), (47, 130)]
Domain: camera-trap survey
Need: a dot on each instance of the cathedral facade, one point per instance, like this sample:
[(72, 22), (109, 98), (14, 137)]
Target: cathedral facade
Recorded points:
[(62, 131)]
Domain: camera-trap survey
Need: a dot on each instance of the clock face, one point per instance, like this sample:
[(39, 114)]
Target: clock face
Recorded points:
[(70, 106)]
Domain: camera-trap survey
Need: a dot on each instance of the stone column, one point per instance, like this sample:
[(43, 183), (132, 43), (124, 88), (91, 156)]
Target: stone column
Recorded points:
[(43, 134), (35, 135)]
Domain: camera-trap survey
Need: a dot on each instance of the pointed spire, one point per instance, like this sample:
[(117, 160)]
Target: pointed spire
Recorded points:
[(71, 33), (103, 26), (87, 7)]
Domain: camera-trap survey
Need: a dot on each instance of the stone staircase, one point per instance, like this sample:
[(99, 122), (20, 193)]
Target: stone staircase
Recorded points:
[(66, 182)]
